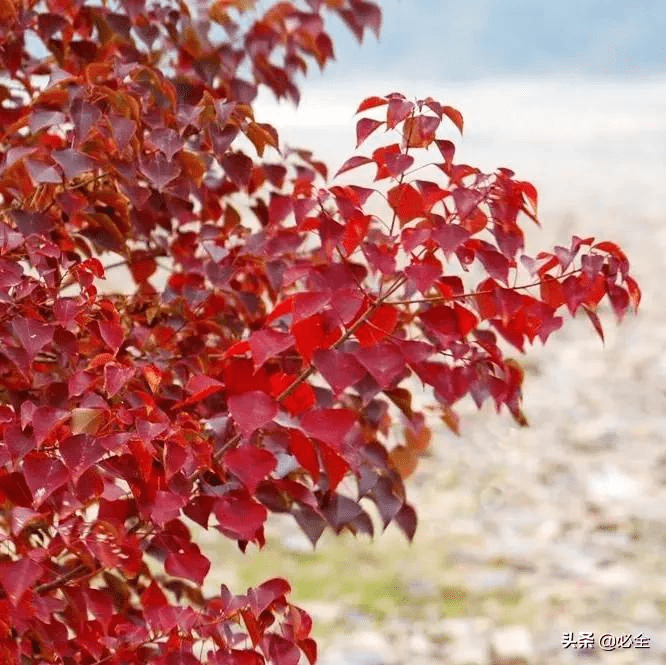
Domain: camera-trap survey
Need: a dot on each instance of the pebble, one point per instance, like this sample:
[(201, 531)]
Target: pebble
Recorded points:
[(511, 645)]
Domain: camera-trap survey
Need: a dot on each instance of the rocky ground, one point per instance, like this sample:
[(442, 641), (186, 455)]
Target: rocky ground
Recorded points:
[(525, 534)]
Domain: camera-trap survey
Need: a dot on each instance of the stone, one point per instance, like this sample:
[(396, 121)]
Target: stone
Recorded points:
[(511, 645), (466, 640)]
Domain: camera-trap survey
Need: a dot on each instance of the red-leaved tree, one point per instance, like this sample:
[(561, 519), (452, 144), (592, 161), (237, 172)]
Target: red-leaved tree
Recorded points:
[(272, 364)]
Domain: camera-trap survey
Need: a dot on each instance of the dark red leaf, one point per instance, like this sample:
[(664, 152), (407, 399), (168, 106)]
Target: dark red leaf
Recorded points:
[(384, 361), (352, 163), (123, 130), (32, 334), (267, 593), (619, 300), (19, 576), (252, 410), (187, 562), (329, 425), (448, 149), (341, 510), (340, 369), (250, 465), (166, 140), (43, 474), (406, 520), (365, 127), (398, 110), (73, 162), (159, 170), (449, 237), (268, 343), (44, 421), (241, 519), (238, 168), (80, 452), (423, 273), (280, 650), (42, 173), (166, 507)]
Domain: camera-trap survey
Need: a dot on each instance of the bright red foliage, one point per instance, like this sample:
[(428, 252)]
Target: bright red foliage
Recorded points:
[(273, 363)]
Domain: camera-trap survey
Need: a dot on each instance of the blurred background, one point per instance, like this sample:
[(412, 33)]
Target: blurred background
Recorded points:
[(529, 539)]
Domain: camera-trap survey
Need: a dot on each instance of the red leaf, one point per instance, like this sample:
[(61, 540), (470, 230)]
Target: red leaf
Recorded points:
[(268, 343), (329, 425), (112, 334), (279, 650), (159, 170), (406, 520), (313, 333), (365, 127), (378, 326), (619, 300), (252, 410), (371, 102), (454, 116), (19, 576), (116, 377), (355, 231), (43, 475), (352, 163), (188, 563), (448, 149), (81, 452), (407, 203), (166, 507), (634, 292), (398, 110), (419, 131), (32, 334), (303, 450), (250, 465), (384, 362), (449, 237), (423, 273), (166, 140), (267, 593), (334, 465), (309, 648), (241, 519), (279, 208), (340, 369), (391, 162), (592, 315), (551, 292), (238, 168), (73, 162), (44, 421)]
